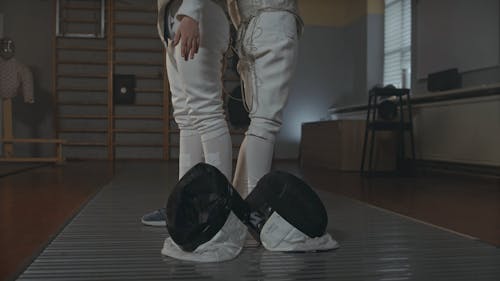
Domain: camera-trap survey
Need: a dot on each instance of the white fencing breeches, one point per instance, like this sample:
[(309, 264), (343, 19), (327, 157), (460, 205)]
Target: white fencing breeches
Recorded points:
[(268, 55), (197, 94)]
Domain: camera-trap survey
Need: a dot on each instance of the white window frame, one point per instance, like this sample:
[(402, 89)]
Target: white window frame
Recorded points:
[(398, 71)]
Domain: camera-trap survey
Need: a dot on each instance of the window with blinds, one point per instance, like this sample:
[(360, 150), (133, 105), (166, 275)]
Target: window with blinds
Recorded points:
[(397, 43)]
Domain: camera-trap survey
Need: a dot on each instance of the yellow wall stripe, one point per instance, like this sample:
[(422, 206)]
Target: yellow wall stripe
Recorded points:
[(337, 13), (375, 7)]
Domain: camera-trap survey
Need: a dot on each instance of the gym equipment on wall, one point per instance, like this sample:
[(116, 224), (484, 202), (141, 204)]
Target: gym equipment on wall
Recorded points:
[(123, 89)]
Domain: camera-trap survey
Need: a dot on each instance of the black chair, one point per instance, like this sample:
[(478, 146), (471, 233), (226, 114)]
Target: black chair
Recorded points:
[(385, 105)]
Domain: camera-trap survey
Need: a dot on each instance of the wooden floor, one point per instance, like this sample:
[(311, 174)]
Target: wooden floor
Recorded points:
[(7, 169), (464, 204), (36, 204)]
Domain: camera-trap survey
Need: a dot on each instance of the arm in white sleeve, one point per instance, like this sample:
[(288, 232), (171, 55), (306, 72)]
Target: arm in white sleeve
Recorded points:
[(192, 9)]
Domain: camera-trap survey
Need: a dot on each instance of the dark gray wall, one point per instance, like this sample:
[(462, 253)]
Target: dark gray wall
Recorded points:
[(374, 51), (465, 35), (337, 66), (30, 24), (320, 78), (462, 131)]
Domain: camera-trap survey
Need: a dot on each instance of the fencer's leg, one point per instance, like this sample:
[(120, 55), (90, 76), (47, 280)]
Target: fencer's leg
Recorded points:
[(269, 55), (260, 162), (190, 150), (251, 166), (218, 152), (190, 147), (255, 155), (201, 78)]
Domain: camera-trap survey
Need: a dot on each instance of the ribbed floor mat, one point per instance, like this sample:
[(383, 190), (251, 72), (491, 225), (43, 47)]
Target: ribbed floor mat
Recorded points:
[(106, 241)]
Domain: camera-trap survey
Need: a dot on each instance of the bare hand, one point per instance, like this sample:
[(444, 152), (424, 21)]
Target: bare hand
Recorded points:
[(188, 34)]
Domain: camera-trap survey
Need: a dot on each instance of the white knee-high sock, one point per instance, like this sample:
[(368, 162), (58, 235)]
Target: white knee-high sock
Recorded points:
[(256, 159), (218, 152), (259, 159), (190, 150), (240, 181)]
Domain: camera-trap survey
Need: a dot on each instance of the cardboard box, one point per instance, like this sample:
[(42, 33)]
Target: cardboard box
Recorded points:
[(338, 144)]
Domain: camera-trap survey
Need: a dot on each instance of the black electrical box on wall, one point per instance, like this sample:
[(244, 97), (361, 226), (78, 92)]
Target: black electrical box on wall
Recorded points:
[(444, 80), (124, 89)]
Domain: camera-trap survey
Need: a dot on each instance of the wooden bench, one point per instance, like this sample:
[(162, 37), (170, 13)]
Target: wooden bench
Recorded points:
[(9, 157), (8, 141)]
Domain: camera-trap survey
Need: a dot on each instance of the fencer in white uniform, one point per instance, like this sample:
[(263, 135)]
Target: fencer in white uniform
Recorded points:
[(195, 82), (268, 39), (194, 74), (196, 36), (268, 49)]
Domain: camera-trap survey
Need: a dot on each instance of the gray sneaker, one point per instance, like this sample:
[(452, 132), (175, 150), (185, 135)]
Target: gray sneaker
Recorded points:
[(155, 218)]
